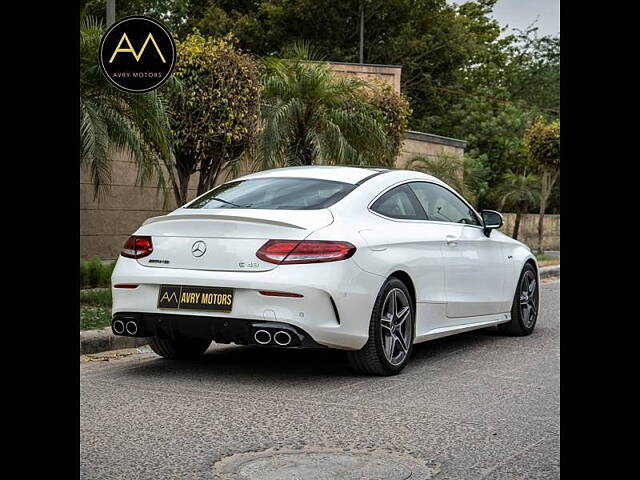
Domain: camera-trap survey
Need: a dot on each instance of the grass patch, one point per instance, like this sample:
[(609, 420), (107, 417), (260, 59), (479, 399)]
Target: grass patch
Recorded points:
[(95, 308), (94, 317), (99, 297)]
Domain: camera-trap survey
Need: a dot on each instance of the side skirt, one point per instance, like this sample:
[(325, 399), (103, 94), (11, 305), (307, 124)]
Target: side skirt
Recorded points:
[(480, 322)]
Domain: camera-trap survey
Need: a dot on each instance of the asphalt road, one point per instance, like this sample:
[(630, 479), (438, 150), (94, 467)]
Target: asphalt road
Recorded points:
[(476, 405)]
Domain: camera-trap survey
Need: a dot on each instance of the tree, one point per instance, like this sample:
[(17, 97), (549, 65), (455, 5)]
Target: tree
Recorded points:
[(112, 120), (542, 141), (312, 115), (431, 39), (215, 117), (520, 192)]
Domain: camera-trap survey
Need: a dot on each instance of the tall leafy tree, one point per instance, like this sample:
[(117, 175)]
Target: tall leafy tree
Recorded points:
[(431, 39), (214, 118), (112, 120), (542, 141)]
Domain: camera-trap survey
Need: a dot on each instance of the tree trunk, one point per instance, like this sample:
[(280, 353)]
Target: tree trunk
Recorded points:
[(183, 179), (516, 225), (548, 180)]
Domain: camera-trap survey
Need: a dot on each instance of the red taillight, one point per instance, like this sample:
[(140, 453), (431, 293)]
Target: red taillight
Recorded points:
[(288, 252), (270, 293), (137, 247)]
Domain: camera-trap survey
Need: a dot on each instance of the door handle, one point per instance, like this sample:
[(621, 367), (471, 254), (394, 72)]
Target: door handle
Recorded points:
[(451, 240)]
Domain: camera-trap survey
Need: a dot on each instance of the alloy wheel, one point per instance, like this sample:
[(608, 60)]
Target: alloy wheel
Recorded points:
[(528, 299), (396, 326)]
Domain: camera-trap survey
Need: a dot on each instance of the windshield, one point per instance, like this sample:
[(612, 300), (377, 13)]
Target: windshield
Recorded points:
[(275, 193)]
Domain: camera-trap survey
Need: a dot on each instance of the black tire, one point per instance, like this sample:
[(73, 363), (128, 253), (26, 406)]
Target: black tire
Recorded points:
[(519, 326), (179, 348), (371, 358)]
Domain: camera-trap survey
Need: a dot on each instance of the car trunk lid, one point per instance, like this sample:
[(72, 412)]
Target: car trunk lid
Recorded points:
[(224, 240)]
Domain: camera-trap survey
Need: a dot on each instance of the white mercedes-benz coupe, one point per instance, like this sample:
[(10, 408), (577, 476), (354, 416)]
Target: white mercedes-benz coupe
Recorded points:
[(367, 260)]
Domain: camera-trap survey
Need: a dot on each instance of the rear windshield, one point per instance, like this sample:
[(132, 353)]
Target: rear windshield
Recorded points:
[(275, 193)]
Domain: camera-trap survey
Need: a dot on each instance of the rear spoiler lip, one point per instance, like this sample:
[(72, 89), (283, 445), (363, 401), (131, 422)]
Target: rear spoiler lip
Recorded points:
[(236, 218)]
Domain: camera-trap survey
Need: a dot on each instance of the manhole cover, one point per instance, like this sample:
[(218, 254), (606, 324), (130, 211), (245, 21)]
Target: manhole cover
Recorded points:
[(322, 465)]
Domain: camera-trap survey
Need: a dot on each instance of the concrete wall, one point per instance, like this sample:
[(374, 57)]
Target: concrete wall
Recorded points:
[(528, 233), (387, 73), (428, 145), (107, 222)]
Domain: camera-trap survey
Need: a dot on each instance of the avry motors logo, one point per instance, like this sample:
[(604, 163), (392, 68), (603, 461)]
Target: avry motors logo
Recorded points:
[(137, 54), (198, 248)]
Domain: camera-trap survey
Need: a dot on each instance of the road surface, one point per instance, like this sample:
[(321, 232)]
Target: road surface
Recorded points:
[(472, 406)]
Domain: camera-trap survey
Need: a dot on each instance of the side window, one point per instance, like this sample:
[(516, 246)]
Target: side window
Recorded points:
[(441, 205), (399, 202)]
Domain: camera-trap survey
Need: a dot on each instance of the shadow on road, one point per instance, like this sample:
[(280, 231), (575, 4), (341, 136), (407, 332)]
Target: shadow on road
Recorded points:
[(277, 364)]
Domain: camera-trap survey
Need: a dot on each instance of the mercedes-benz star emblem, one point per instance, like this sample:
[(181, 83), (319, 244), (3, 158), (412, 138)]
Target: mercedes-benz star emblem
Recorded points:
[(198, 248)]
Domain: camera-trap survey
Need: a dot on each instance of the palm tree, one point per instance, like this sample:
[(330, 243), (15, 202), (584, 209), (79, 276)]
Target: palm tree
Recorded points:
[(520, 191), (111, 119), (460, 173), (311, 115)]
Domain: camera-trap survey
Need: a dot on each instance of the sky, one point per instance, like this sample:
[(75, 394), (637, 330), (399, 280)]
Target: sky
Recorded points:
[(521, 13)]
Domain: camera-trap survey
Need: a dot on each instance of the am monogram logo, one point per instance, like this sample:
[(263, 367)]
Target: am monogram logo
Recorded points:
[(169, 298), (132, 50)]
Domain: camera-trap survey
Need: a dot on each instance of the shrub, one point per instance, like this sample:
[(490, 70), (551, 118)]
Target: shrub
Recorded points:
[(392, 110), (84, 273), (95, 272)]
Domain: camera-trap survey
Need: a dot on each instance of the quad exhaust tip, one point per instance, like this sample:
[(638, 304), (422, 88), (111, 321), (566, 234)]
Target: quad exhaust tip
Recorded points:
[(132, 327), (282, 338), (262, 337), (118, 327)]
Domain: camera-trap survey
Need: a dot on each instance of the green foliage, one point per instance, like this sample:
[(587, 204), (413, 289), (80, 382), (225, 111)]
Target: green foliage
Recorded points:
[(173, 13), (312, 115), (96, 297), (392, 110), (214, 118), (94, 317), (94, 274), (542, 143), (432, 40), (112, 120), (448, 168), (462, 174), (462, 75), (95, 271), (84, 273), (518, 191)]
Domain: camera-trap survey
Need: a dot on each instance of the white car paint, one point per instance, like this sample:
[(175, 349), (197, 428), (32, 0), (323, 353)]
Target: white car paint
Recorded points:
[(462, 278)]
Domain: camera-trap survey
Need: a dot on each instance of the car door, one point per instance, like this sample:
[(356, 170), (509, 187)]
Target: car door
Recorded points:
[(475, 265), (399, 237)]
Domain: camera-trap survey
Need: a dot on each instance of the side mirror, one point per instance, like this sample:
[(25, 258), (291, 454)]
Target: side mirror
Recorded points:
[(492, 221)]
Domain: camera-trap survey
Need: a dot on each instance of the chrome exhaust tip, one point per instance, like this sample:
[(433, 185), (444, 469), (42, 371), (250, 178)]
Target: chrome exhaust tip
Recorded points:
[(118, 327), (132, 327), (262, 337), (282, 338)]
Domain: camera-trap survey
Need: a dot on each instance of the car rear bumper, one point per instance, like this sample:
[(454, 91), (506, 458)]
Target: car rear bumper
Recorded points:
[(220, 330), (334, 311)]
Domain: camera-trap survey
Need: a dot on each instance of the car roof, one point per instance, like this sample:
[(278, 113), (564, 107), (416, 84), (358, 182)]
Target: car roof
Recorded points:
[(345, 174)]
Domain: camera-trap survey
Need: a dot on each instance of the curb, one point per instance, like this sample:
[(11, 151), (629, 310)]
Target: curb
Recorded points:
[(94, 341), (552, 271)]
